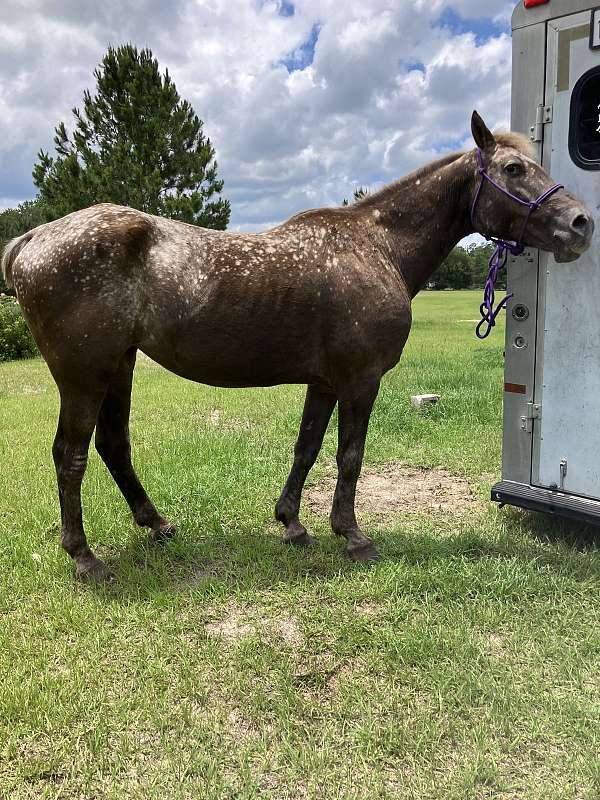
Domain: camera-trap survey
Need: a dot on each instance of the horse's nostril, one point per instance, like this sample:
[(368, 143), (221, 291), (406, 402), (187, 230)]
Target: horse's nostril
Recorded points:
[(580, 223)]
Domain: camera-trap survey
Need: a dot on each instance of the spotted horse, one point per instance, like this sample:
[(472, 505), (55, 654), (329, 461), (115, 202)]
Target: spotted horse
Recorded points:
[(322, 299)]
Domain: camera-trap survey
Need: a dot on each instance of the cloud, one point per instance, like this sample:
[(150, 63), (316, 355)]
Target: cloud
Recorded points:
[(303, 100)]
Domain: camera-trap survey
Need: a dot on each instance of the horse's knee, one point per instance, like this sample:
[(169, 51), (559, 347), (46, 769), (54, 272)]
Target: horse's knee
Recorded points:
[(72, 467)]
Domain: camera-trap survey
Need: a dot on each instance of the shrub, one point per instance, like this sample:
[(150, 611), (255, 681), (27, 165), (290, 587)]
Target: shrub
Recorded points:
[(16, 340)]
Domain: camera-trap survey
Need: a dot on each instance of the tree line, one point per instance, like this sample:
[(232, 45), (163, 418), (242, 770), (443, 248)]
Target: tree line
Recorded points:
[(465, 268)]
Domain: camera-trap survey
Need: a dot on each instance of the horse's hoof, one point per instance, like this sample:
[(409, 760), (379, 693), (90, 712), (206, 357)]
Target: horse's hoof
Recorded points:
[(303, 540), (365, 553), (296, 534), (94, 572), (163, 533)]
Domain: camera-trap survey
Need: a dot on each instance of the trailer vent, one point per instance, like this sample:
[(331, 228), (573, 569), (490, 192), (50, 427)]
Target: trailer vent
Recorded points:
[(584, 122)]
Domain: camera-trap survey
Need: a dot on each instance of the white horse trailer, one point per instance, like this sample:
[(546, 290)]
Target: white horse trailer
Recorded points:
[(551, 443)]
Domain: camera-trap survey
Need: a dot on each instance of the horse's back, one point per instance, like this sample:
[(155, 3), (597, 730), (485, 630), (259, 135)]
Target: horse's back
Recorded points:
[(75, 244)]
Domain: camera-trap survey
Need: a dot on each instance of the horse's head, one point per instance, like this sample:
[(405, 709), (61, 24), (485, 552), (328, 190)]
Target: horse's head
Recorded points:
[(516, 199)]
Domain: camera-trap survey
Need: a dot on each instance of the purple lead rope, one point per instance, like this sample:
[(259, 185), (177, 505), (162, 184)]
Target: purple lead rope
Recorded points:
[(486, 309), (503, 248)]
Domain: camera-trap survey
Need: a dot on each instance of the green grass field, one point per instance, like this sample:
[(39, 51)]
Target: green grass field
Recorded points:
[(224, 665)]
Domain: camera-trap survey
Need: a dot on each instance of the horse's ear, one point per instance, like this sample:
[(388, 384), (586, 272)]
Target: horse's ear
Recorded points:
[(484, 138)]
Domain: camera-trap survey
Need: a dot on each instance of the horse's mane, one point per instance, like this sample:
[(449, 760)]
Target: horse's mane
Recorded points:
[(504, 138)]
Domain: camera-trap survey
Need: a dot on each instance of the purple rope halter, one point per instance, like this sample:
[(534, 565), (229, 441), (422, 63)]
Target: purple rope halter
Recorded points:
[(503, 247)]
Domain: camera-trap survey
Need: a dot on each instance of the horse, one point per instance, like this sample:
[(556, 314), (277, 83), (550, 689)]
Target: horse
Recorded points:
[(323, 299)]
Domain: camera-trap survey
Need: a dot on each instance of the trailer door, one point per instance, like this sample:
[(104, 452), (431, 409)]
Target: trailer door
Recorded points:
[(566, 436)]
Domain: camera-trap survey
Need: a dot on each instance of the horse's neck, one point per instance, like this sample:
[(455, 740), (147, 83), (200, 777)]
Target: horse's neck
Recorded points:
[(423, 221)]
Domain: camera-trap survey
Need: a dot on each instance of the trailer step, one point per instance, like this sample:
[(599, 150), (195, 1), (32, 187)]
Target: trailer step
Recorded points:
[(535, 498)]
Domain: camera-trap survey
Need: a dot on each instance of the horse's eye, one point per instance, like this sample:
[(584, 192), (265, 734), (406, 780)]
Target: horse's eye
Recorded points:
[(513, 168)]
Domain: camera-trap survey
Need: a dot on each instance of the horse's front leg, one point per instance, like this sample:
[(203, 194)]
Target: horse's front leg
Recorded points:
[(354, 413), (318, 408)]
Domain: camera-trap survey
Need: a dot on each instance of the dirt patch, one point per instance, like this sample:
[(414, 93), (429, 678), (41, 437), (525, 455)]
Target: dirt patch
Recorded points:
[(240, 729), (217, 420), (26, 389), (367, 608), (232, 628), (289, 630), (240, 623), (496, 645), (398, 489)]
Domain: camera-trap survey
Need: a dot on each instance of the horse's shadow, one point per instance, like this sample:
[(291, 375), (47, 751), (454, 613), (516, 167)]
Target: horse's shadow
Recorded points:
[(217, 563)]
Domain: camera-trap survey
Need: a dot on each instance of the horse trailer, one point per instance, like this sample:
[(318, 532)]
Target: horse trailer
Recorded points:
[(551, 429)]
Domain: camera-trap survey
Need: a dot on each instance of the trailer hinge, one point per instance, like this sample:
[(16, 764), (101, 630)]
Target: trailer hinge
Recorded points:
[(543, 115), (534, 411)]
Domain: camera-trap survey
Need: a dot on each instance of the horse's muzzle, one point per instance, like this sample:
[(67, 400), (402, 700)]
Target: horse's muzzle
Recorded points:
[(576, 239)]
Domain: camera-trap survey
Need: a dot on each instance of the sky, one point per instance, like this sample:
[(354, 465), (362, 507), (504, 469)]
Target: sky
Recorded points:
[(303, 100)]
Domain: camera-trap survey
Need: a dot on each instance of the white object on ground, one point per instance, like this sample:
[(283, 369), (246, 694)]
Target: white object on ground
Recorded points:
[(421, 400)]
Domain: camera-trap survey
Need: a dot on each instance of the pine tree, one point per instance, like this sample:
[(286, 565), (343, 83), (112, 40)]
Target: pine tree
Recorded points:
[(358, 195), (136, 143)]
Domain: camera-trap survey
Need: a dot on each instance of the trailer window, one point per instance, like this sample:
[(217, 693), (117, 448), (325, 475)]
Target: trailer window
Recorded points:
[(584, 124)]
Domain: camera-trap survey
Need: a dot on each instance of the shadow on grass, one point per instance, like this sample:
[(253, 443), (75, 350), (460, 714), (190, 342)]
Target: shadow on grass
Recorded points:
[(548, 529), (216, 563)]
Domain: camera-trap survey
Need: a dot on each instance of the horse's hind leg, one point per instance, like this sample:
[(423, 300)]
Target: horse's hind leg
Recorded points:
[(318, 408), (112, 443), (354, 414), (78, 414)]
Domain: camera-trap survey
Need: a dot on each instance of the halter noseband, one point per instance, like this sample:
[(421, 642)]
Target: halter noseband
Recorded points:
[(503, 246)]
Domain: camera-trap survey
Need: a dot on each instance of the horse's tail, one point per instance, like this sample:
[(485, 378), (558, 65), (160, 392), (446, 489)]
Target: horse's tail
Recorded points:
[(11, 251)]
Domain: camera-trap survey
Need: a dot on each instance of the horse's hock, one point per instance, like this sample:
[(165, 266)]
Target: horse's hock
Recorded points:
[(393, 490)]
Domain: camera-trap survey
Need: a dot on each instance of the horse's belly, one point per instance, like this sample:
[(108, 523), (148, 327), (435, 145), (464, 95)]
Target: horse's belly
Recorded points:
[(238, 363)]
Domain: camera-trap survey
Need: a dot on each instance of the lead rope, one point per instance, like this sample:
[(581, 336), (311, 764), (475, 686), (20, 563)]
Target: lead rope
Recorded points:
[(503, 248), (496, 263)]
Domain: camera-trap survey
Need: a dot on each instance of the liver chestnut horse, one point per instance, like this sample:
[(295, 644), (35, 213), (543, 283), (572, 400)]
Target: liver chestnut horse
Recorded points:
[(323, 299)]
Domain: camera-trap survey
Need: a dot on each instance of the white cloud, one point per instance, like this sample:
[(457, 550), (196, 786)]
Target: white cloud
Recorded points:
[(386, 90)]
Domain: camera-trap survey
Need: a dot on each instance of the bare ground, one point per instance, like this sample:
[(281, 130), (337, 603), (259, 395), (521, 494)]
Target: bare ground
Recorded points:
[(396, 489)]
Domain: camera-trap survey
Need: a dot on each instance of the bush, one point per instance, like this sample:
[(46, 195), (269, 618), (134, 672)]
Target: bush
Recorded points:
[(16, 340)]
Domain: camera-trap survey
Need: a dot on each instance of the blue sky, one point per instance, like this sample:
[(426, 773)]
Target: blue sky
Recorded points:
[(303, 55), (303, 100), (484, 28)]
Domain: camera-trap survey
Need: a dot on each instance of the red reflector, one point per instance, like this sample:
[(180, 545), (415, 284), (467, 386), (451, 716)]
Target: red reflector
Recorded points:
[(530, 3)]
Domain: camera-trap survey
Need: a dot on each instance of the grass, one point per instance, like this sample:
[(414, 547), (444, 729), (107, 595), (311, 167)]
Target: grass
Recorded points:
[(224, 665)]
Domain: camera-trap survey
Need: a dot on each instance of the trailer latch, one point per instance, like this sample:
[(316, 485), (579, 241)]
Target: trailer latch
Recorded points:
[(533, 411)]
